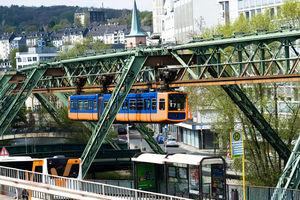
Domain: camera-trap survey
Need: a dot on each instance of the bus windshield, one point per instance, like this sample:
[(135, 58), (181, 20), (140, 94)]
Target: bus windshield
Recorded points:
[(177, 102), (58, 166)]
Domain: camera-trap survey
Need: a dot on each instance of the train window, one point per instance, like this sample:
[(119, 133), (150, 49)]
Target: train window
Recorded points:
[(125, 105), (139, 105), (177, 102), (90, 105), (95, 105), (132, 103), (72, 105), (105, 102), (80, 105), (162, 104), (86, 105), (153, 104), (146, 104)]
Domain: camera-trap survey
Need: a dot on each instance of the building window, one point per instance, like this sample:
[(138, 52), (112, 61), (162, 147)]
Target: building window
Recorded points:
[(34, 59), (29, 59)]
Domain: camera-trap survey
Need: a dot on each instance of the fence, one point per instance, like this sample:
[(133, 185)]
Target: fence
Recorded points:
[(24, 183), (259, 193)]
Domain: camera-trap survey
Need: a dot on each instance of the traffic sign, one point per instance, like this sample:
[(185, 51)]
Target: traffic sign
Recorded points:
[(237, 145), (4, 152)]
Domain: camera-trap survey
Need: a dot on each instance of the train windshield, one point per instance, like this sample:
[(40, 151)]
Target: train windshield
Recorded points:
[(177, 102), (59, 167)]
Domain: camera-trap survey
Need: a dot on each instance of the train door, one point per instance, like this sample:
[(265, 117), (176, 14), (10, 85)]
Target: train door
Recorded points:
[(147, 110), (139, 109), (100, 106), (162, 112)]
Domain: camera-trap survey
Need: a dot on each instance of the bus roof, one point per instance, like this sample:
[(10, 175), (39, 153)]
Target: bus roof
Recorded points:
[(15, 158), (179, 158)]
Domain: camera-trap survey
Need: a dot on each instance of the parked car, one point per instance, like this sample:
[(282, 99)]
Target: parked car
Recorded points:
[(122, 131), (171, 142)]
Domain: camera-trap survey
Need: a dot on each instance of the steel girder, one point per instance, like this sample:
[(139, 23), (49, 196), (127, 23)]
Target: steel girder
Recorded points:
[(126, 80), (90, 125), (16, 102), (290, 177), (143, 130), (51, 109)]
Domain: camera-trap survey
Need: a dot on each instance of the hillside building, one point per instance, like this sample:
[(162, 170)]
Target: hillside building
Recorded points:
[(5, 40), (34, 55)]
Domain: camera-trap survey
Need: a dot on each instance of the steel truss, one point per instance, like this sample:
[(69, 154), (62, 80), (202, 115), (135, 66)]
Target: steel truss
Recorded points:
[(256, 58)]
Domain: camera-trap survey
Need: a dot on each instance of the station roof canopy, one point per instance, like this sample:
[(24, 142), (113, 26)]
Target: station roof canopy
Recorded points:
[(178, 158)]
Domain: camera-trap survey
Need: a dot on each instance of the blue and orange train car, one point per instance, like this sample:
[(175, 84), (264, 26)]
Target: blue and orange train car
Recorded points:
[(154, 107)]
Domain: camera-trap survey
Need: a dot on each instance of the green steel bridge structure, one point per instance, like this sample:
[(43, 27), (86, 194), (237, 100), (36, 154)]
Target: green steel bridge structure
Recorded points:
[(261, 57)]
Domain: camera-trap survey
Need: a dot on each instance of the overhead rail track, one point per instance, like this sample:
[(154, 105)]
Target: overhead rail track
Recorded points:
[(227, 61)]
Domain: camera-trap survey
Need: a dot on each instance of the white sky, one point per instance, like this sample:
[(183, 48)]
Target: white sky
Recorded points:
[(116, 4)]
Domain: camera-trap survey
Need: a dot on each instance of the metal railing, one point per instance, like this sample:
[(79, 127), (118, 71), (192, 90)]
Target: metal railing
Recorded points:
[(260, 193), (23, 183)]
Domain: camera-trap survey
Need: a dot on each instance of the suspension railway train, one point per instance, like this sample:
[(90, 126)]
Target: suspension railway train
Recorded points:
[(154, 107)]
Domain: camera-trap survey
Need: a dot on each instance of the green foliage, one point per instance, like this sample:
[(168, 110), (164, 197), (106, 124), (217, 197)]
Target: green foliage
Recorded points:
[(13, 58), (80, 133), (19, 17), (87, 45), (263, 166), (20, 119), (31, 29)]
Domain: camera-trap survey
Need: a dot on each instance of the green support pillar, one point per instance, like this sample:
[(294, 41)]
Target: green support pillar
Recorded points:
[(127, 78), (290, 175), (149, 138), (18, 100)]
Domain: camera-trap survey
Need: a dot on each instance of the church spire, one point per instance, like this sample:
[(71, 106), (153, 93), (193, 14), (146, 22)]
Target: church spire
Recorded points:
[(135, 23)]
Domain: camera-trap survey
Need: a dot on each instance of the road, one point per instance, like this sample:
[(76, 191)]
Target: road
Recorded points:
[(137, 142)]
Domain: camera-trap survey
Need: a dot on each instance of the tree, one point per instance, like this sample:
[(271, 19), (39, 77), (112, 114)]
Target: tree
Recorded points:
[(20, 118), (31, 29), (13, 61), (88, 45), (262, 162)]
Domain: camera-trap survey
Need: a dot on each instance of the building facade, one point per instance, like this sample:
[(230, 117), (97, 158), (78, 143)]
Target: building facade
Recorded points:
[(34, 55), (157, 12), (249, 7), (5, 40)]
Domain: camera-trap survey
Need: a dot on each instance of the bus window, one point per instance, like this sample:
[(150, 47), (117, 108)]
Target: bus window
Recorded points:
[(177, 102), (162, 104), (95, 105), (153, 104), (59, 166), (132, 103), (139, 105), (125, 105), (146, 104), (86, 105)]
